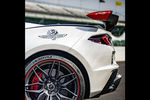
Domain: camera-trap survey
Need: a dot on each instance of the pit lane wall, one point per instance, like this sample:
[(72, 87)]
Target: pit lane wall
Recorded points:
[(120, 53)]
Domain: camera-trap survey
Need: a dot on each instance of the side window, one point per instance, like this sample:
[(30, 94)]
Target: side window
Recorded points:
[(118, 31)]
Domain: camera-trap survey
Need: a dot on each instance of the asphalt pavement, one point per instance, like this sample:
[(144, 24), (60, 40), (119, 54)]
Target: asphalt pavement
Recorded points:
[(119, 94)]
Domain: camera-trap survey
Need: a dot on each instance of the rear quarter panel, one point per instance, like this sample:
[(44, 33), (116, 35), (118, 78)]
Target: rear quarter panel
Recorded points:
[(33, 43)]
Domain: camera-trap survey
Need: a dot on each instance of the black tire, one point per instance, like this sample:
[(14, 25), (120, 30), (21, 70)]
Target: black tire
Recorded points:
[(53, 75)]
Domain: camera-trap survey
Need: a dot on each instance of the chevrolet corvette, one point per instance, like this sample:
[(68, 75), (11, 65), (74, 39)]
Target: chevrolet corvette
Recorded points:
[(70, 61)]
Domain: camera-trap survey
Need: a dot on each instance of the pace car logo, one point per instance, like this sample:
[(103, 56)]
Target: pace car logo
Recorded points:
[(52, 34)]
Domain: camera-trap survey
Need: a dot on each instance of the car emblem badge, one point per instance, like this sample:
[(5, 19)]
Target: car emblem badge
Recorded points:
[(52, 34)]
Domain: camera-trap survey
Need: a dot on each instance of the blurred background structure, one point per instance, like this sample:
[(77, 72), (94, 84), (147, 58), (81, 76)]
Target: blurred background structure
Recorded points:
[(76, 8)]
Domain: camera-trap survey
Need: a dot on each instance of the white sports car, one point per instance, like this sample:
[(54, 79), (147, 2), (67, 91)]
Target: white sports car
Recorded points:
[(70, 62)]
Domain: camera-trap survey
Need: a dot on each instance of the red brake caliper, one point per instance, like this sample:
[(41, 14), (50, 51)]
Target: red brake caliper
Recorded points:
[(36, 80)]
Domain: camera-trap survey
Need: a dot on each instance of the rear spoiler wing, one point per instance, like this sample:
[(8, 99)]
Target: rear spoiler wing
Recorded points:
[(107, 17)]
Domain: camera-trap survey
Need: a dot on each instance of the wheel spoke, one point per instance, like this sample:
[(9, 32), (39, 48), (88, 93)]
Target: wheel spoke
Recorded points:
[(48, 97), (37, 76), (42, 70), (51, 97), (57, 71), (57, 97), (64, 97), (34, 91), (39, 97), (70, 91), (51, 69), (33, 84), (63, 76), (65, 84)]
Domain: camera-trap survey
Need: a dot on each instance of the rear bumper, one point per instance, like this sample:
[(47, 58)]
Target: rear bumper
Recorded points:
[(112, 83)]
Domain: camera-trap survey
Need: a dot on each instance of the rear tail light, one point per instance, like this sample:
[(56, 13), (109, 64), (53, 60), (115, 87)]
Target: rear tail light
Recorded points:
[(102, 39)]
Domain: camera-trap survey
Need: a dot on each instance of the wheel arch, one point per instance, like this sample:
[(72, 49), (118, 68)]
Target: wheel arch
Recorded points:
[(70, 57)]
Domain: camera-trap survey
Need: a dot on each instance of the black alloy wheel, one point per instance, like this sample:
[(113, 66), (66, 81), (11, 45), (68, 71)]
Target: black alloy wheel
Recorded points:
[(52, 77)]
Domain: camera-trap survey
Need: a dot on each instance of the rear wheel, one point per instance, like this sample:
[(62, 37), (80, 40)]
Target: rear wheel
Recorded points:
[(53, 77)]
